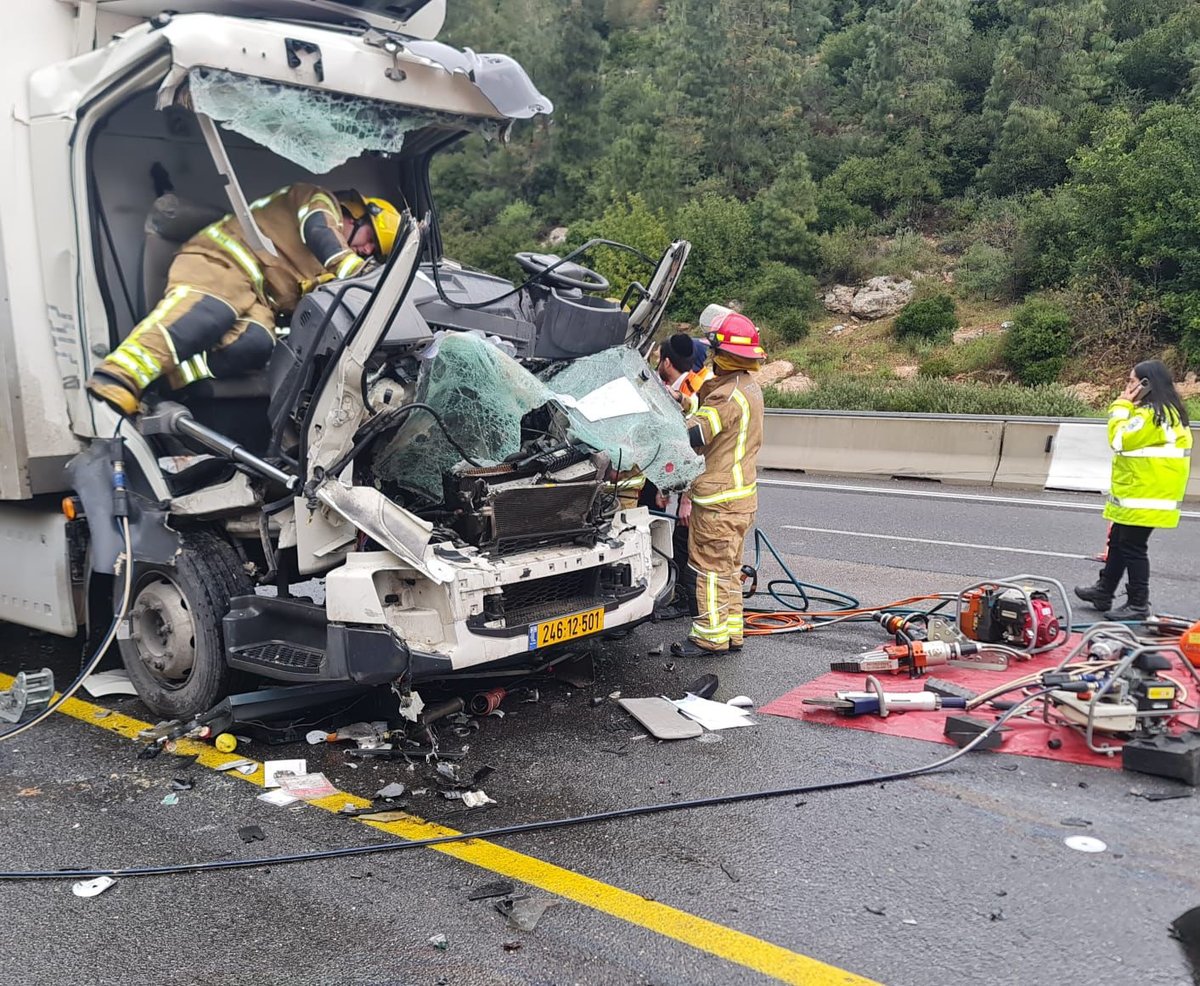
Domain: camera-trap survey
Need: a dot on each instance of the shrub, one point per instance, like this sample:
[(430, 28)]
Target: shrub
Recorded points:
[(931, 396), (985, 272), (933, 318), (938, 365), (844, 256), (784, 300), (1036, 346), (725, 253)]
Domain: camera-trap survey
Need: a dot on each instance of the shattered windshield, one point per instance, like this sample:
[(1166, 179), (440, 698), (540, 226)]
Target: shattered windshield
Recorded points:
[(313, 128), (612, 400)]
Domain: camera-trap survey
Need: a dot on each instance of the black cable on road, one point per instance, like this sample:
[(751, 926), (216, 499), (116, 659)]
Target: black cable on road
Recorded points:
[(520, 829)]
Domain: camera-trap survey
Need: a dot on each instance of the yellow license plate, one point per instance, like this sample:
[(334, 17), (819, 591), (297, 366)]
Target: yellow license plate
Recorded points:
[(566, 628)]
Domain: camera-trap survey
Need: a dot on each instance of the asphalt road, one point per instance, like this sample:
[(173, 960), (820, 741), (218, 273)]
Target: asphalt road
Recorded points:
[(961, 876)]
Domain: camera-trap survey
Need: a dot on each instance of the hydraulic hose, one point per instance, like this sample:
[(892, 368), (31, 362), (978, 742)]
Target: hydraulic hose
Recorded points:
[(526, 827)]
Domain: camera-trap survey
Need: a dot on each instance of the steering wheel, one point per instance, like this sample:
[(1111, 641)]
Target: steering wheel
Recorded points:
[(568, 275)]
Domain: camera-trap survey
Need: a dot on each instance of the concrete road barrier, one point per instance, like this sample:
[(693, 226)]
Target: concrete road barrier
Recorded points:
[(924, 446), (1037, 453)]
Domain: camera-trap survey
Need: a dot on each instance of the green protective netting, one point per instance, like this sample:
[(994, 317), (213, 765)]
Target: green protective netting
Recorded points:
[(482, 394), (314, 128)]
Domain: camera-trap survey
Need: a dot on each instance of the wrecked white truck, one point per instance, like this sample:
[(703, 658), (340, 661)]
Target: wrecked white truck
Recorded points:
[(437, 446)]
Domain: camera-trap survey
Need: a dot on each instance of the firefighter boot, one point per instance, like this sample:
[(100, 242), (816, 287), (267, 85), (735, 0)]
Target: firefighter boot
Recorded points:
[(114, 393), (1099, 596)]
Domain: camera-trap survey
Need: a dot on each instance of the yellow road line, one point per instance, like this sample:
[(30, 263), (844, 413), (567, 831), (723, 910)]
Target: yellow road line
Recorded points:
[(707, 936)]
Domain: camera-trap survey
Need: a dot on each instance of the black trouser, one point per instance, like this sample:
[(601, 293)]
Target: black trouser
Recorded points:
[(1127, 553)]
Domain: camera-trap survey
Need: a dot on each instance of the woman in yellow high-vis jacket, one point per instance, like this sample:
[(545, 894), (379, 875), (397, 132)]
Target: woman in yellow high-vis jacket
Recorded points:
[(1148, 430)]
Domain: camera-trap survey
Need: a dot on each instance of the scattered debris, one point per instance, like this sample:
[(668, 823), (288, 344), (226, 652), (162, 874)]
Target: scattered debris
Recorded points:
[(1075, 823), (879, 911), (996, 915), (108, 683), (395, 813), (524, 912), (440, 942), (660, 716), (712, 715), (1168, 795), (597, 701), (102, 714), (511, 946), (92, 888), (614, 695), (498, 888), (741, 702), (476, 799), (411, 706), (315, 736), (306, 787), (185, 759), (670, 667), (1084, 843), (703, 687), (280, 798), (150, 751), (911, 921), (655, 651), (449, 771), (482, 774), (241, 766), (182, 784), (532, 696), (390, 791), (251, 833), (171, 799), (29, 792), (273, 768), (731, 872)]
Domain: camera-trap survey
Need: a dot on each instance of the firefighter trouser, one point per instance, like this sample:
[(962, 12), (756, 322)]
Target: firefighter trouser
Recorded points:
[(210, 323), (715, 543)]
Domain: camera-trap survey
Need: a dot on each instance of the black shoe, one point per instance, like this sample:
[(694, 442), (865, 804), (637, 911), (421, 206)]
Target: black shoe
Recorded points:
[(1128, 613), (689, 648), (1098, 596), (734, 647)]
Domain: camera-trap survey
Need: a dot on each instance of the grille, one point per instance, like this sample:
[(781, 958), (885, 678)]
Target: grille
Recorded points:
[(554, 595), (549, 514), (284, 656)]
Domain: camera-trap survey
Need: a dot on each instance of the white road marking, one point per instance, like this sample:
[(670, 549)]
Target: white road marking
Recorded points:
[(1094, 506), (949, 544)]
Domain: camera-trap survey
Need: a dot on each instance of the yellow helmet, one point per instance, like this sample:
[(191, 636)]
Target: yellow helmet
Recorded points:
[(384, 217)]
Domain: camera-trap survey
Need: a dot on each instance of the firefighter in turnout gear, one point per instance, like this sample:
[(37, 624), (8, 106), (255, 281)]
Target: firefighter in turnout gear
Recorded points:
[(727, 427), (217, 318), (1148, 430)]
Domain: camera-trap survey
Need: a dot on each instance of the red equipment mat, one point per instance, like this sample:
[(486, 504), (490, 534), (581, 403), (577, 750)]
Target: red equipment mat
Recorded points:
[(1026, 738)]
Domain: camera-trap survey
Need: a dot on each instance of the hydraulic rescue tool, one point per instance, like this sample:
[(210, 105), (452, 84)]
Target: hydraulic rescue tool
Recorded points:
[(880, 703), (916, 656), (1016, 612)]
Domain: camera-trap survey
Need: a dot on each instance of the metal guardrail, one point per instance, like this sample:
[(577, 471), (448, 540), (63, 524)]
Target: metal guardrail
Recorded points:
[(971, 449)]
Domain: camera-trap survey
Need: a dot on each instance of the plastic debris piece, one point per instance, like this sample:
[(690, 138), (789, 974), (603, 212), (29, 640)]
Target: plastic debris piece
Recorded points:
[(171, 799), (440, 942), (182, 784), (411, 706), (1075, 823), (879, 911), (532, 695), (92, 888), (393, 790), (482, 774), (280, 798), (315, 736), (476, 799), (449, 771), (29, 792), (614, 695), (251, 833), (909, 921), (511, 946), (273, 768), (663, 720), (524, 912), (1084, 843), (703, 687), (1168, 795), (102, 714), (654, 651), (597, 701), (150, 751), (741, 702), (185, 759), (237, 765), (497, 888), (108, 683), (670, 667)]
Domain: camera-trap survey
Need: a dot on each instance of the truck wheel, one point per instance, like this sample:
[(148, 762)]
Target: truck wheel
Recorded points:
[(174, 650)]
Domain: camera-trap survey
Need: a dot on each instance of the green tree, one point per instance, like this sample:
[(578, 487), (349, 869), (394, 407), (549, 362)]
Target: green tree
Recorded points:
[(1037, 344), (725, 254), (785, 211)]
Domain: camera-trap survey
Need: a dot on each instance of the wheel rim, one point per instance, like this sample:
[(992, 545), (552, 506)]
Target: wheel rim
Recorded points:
[(163, 632)]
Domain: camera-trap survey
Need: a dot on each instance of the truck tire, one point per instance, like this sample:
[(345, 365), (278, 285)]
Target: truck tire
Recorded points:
[(172, 643)]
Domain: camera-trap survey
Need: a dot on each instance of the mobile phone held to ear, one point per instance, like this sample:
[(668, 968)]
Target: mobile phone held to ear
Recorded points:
[(1144, 389)]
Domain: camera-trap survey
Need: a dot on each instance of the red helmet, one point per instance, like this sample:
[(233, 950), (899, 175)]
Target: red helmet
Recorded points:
[(731, 332)]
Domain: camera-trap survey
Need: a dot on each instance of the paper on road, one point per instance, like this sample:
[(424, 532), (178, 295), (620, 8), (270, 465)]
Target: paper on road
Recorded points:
[(108, 683), (712, 715)]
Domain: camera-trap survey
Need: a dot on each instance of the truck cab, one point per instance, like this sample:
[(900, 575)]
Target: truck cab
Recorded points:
[(424, 482)]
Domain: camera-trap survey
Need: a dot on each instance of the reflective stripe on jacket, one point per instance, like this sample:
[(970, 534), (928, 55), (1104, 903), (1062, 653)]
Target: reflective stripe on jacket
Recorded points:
[(1150, 466), (304, 223), (730, 420)]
